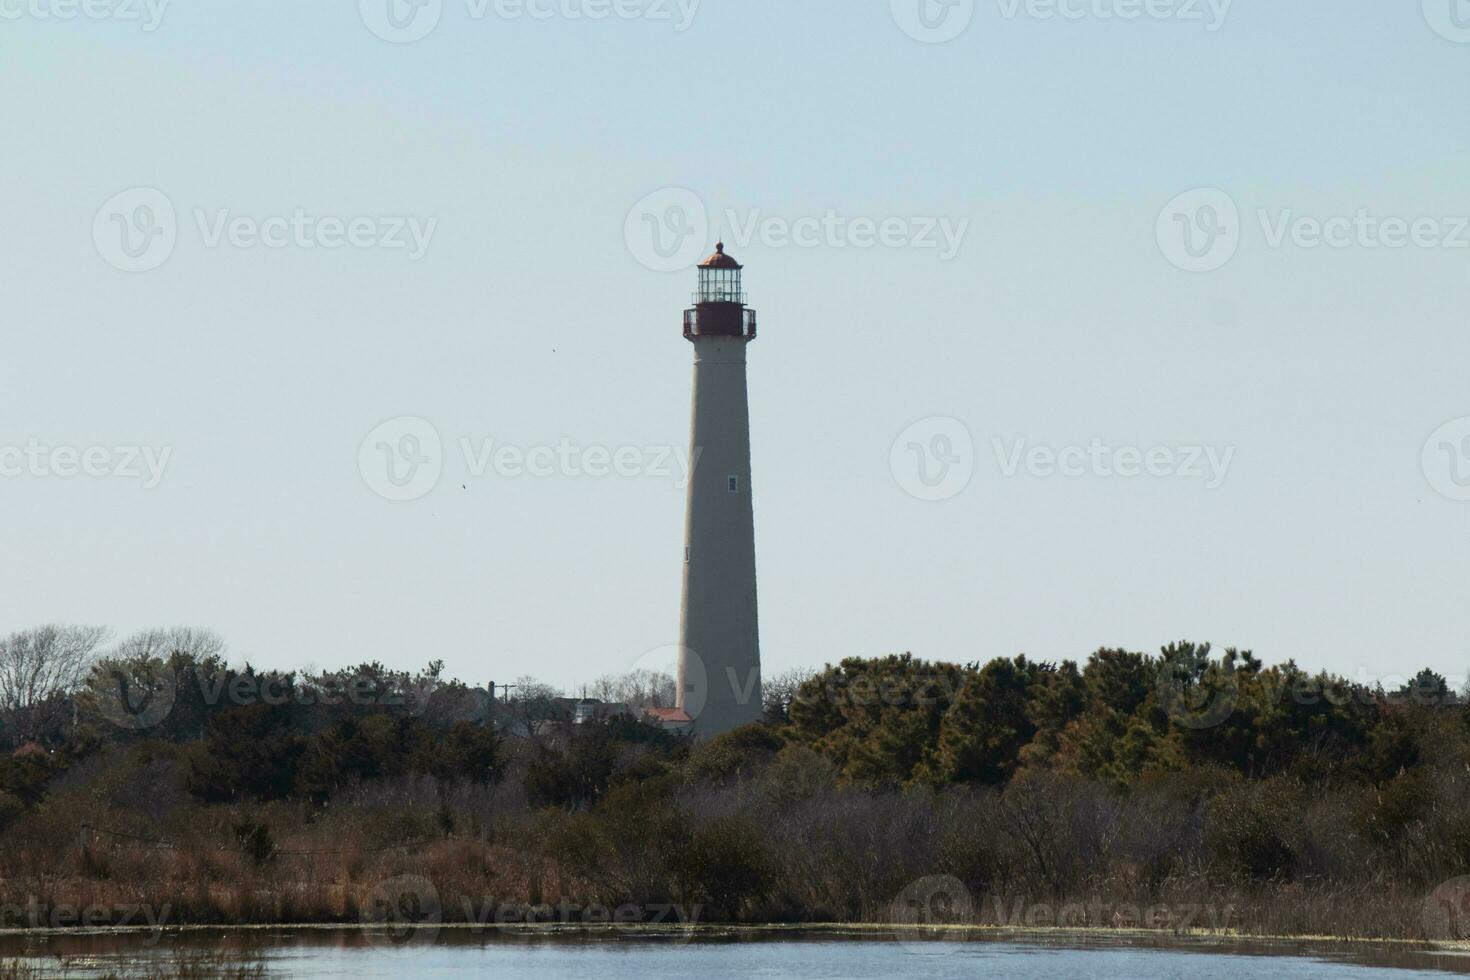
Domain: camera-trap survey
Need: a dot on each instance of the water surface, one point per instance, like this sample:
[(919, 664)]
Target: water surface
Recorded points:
[(785, 955)]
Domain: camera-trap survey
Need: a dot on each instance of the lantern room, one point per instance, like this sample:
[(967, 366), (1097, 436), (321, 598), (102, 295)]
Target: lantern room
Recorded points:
[(719, 302), (719, 279)]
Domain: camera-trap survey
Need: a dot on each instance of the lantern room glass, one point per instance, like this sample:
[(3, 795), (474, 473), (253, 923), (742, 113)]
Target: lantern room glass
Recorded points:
[(719, 286)]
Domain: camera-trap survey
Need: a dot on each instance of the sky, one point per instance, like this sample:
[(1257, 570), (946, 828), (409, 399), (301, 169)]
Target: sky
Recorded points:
[(353, 331)]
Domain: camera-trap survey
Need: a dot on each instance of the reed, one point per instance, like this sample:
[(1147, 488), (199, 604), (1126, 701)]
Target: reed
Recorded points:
[(1090, 860)]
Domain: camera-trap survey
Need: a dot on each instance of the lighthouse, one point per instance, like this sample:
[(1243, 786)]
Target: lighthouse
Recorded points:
[(719, 640)]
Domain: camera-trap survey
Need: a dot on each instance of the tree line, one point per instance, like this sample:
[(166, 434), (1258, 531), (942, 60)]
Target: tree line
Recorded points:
[(1190, 772)]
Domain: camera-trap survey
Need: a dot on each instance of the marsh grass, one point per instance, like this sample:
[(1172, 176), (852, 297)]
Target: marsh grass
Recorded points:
[(837, 855)]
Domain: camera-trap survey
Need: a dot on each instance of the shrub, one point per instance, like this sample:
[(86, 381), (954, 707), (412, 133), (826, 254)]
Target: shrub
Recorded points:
[(742, 752), (1250, 830), (254, 840), (25, 777), (725, 863), (10, 810), (797, 773)]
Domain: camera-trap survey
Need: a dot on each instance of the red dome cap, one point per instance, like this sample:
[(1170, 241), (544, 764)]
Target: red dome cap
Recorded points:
[(720, 260)]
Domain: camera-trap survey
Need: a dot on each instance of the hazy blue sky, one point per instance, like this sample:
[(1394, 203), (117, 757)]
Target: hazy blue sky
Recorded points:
[(1331, 528)]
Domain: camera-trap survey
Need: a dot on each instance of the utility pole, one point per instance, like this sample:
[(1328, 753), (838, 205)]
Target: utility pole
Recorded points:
[(493, 687)]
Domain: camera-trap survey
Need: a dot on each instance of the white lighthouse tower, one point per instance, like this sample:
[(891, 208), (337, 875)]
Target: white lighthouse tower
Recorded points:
[(719, 640)]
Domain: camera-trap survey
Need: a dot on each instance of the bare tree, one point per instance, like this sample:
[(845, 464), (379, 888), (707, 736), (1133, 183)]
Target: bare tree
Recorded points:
[(39, 668), (778, 692), (530, 689), (162, 643), (638, 688), (532, 707), (157, 676)]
